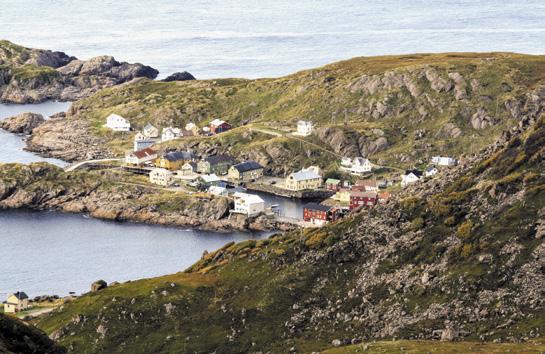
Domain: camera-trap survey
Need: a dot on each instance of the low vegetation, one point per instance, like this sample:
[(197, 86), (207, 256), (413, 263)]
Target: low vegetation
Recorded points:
[(396, 271), (399, 110)]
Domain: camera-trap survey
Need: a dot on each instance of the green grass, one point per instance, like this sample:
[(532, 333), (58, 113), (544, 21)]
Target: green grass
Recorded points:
[(435, 347)]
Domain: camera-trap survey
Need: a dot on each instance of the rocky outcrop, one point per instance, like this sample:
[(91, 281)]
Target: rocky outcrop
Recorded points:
[(182, 76), (98, 285), (481, 119), (449, 130), (32, 75), (23, 123), (68, 140)]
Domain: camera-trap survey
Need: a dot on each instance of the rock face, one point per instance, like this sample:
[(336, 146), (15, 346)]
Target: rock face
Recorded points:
[(98, 285), (183, 76), (23, 123), (67, 139), (33, 75)]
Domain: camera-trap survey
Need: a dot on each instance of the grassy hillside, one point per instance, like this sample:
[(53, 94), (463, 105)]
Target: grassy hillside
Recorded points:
[(459, 257), (18, 337), (417, 347), (398, 110)]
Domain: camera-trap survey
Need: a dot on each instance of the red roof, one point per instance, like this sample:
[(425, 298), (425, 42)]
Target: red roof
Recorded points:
[(144, 153)]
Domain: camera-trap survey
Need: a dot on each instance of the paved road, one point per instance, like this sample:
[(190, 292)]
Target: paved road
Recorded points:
[(83, 163)]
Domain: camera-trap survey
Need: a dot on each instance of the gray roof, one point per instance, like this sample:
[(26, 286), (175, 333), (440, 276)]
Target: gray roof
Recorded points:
[(21, 295), (247, 166), (178, 155), (217, 159), (305, 175)]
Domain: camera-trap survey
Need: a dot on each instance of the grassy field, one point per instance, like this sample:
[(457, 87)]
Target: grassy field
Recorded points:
[(435, 347)]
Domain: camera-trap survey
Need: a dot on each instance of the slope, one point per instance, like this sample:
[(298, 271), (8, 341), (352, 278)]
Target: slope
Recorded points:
[(459, 257)]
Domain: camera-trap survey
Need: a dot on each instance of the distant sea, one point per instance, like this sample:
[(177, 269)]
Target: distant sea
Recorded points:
[(234, 38)]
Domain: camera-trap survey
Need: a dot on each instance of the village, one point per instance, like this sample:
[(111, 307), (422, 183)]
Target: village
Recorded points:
[(329, 197)]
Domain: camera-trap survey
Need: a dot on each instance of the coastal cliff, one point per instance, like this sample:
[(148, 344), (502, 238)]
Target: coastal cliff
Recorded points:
[(106, 195), (36, 75)]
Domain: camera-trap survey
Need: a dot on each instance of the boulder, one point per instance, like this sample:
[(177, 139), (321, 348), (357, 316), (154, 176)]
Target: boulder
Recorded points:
[(23, 123), (98, 285), (481, 119), (181, 76)]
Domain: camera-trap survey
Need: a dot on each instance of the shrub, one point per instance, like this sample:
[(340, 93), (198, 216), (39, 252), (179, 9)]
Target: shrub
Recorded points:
[(417, 224), (464, 230), (450, 221), (467, 250)]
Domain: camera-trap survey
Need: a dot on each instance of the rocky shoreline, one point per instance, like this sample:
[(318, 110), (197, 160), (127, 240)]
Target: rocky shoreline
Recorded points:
[(103, 195)]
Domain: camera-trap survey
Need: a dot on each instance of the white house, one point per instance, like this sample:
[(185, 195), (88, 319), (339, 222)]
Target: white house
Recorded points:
[(217, 190), (150, 131), (248, 204), (171, 133), (140, 157), (161, 176), (443, 161), (430, 171), (16, 302), (410, 177), (357, 166), (304, 128), (117, 123), (141, 142)]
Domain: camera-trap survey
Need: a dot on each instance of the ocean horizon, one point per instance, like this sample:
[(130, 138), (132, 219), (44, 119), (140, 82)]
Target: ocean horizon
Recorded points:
[(233, 38)]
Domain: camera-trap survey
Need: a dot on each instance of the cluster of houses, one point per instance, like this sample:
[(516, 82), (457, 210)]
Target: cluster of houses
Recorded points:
[(151, 134), (364, 193), (16, 302), (413, 176)]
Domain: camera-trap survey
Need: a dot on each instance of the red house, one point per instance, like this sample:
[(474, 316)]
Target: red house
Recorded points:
[(359, 199), (320, 214), (219, 126)]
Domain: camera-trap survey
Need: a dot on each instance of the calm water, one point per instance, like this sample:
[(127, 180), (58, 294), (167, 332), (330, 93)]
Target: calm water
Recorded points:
[(224, 38), (51, 253), (12, 145)]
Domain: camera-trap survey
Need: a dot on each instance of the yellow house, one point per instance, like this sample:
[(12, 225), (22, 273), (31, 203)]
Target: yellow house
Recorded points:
[(342, 196), (174, 160), (16, 302), (307, 178)]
